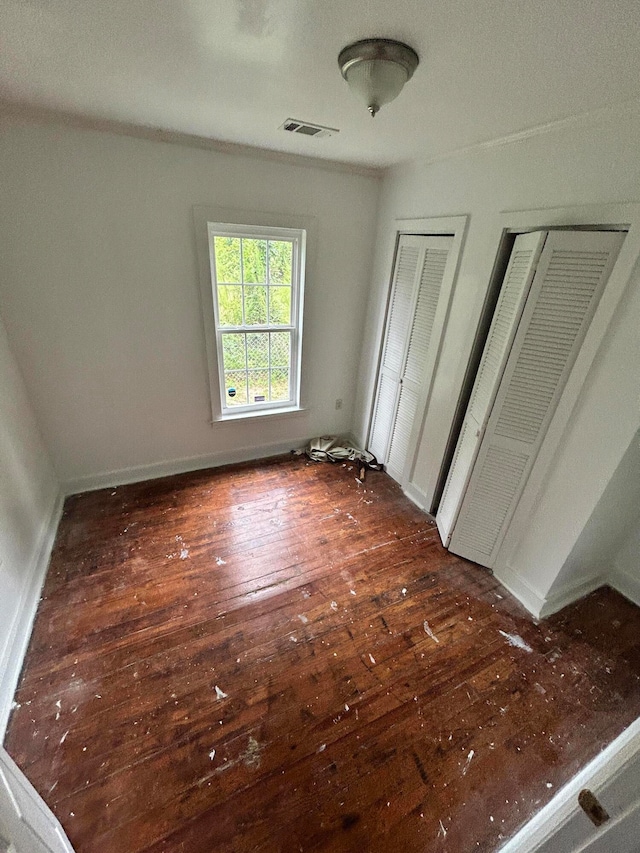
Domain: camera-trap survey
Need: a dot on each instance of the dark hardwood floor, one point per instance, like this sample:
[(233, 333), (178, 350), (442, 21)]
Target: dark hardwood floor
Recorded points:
[(275, 657)]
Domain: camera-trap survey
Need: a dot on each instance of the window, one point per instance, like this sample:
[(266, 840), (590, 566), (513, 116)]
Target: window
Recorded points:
[(257, 284)]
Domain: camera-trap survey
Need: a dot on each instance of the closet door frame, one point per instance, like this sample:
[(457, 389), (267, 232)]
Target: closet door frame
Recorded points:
[(607, 217), (441, 226)]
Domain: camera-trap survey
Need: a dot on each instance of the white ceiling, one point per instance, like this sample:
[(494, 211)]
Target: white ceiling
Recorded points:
[(234, 70)]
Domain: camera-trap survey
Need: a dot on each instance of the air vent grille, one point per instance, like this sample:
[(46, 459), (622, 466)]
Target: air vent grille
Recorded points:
[(293, 125)]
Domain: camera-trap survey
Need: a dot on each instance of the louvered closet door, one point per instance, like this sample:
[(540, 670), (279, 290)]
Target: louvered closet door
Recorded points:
[(408, 257), (416, 290), (569, 280), (513, 294)]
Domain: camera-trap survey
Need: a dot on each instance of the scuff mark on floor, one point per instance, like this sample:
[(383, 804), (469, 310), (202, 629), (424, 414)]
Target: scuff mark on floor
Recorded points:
[(250, 757)]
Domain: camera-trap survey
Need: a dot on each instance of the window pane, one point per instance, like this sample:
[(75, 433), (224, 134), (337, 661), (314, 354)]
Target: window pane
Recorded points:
[(254, 261), (280, 255), (235, 382), (280, 349), (233, 352), (280, 305), (227, 254), (230, 304), (255, 305), (258, 350), (258, 386), (280, 383)]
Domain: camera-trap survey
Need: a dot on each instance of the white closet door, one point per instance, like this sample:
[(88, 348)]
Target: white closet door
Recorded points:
[(408, 257), (571, 274), (513, 294), (411, 336), (423, 341)]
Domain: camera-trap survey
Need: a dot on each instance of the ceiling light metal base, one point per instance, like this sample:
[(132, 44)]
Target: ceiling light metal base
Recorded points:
[(366, 49)]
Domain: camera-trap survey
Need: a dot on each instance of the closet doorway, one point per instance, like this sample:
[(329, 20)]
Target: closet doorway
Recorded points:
[(550, 292), (424, 267)]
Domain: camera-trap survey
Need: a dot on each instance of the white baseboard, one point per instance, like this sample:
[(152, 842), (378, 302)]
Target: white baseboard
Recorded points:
[(547, 823), (524, 592), (540, 606), (626, 585), (139, 473), (25, 614), (569, 593)]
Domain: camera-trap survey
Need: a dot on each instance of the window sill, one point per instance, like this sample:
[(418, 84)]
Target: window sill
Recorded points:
[(289, 412)]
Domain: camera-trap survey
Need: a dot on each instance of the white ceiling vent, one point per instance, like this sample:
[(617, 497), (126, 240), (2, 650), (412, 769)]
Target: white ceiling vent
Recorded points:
[(293, 125)]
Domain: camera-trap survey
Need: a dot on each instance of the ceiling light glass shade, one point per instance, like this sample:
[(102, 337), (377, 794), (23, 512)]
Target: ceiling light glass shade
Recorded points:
[(377, 69), (376, 82)]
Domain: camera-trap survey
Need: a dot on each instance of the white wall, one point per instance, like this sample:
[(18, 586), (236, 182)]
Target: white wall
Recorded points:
[(28, 501), (610, 541), (586, 164), (99, 288), (627, 560)]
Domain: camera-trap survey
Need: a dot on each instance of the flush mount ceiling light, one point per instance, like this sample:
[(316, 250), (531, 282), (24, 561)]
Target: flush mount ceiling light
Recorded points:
[(377, 69)]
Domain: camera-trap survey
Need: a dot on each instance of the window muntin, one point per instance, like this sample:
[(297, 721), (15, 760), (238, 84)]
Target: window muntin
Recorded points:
[(256, 276)]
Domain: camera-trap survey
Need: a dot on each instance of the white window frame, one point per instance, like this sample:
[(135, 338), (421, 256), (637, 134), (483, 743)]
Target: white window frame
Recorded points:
[(226, 222)]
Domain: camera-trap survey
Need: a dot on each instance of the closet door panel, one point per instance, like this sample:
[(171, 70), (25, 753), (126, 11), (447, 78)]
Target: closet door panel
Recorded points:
[(434, 294), (408, 260), (461, 466), (519, 275), (488, 501), (410, 254), (399, 446), (384, 413), (433, 268), (571, 275)]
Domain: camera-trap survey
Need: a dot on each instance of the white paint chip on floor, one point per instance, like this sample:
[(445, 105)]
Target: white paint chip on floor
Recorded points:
[(469, 759), (516, 641), (429, 632)]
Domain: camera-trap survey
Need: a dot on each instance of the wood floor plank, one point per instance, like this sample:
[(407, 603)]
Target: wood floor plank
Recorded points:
[(276, 656)]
